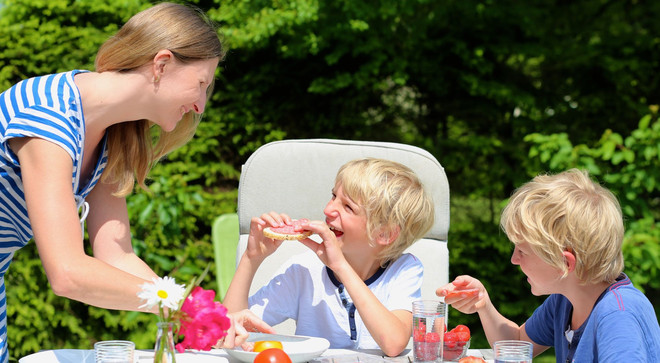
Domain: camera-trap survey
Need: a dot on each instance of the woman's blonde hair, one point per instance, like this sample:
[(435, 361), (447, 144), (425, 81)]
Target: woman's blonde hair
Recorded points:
[(133, 147), (392, 196), (569, 212)]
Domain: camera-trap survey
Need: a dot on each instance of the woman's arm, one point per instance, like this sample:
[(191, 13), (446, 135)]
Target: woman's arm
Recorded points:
[(46, 173), (110, 233)]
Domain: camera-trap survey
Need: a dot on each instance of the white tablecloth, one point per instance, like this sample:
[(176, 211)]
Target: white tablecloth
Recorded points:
[(220, 356)]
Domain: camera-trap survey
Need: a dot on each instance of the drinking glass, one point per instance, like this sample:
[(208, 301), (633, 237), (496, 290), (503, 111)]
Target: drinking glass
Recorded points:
[(428, 330), (513, 351), (114, 351)]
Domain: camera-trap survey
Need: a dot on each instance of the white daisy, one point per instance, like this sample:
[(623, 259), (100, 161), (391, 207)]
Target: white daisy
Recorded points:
[(164, 291)]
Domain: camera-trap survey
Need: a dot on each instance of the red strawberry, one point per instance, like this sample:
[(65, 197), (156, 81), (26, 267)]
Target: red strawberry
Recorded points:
[(432, 337), (450, 339), (462, 336), (461, 328)]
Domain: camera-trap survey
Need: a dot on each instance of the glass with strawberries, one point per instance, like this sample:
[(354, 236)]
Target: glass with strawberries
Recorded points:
[(428, 330), (456, 343)]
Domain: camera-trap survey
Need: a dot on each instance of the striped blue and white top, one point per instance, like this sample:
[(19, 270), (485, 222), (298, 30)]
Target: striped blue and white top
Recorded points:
[(48, 107)]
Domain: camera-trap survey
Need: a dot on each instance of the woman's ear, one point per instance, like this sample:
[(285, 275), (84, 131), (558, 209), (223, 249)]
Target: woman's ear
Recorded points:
[(161, 59), (569, 257), (385, 236)]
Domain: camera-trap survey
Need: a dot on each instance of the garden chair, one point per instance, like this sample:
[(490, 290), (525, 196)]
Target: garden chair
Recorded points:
[(296, 177)]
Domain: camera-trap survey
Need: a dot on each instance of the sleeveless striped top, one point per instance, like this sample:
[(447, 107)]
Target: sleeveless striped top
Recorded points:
[(47, 107)]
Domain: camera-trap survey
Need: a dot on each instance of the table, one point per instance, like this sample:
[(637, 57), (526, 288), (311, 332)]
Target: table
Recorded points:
[(220, 356)]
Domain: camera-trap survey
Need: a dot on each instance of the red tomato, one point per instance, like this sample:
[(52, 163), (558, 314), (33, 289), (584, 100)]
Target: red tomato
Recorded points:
[(272, 355), (471, 359)]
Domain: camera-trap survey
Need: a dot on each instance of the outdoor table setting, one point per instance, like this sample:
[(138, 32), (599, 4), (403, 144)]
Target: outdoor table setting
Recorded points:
[(429, 330), (221, 356), (299, 348)]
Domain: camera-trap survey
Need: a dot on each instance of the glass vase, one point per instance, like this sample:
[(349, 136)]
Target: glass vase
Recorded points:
[(164, 349)]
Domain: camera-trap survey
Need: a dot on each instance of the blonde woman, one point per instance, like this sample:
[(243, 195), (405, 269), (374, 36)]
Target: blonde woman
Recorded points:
[(73, 144)]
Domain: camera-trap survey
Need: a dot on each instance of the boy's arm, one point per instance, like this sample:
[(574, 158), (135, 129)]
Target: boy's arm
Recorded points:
[(390, 329), (236, 298), (258, 248), (496, 326)]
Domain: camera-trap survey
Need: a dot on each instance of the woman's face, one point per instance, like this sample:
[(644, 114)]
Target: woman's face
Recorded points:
[(182, 88)]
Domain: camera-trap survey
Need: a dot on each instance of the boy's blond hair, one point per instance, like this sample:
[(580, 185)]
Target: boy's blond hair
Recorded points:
[(392, 196), (134, 147), (569, 212)]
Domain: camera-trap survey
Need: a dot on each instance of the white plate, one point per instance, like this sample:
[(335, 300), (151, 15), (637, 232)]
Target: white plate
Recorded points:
[(299, 348)]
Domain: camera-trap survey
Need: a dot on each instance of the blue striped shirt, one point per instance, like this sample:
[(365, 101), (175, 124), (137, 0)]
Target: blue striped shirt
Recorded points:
[(48, 107)]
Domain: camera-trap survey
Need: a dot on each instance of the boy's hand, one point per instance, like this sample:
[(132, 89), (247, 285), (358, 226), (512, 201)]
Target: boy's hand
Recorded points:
[(465, 294), (259, 246), (329, 250)]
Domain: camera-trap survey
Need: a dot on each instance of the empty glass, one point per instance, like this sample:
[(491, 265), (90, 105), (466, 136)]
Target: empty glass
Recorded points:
[(114, 351), (513, 351)]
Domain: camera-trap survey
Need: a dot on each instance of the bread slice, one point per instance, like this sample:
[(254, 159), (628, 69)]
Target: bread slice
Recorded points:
[(285, 236)]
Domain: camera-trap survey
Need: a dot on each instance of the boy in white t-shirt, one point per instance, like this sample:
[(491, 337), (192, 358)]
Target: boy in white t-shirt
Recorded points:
[(356, 287)]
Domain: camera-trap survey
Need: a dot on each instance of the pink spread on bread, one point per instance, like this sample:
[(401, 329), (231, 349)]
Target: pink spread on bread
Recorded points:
[(291, 231)]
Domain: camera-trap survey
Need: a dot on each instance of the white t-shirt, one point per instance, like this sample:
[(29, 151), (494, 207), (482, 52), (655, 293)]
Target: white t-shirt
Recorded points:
[(306, 291)]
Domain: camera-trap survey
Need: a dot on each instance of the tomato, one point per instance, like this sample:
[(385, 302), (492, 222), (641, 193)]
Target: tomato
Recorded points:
[(272, 355), (471, 359), (266, 344)]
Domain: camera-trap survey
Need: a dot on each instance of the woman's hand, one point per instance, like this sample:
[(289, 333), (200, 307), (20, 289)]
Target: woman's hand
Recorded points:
[(242, 323)]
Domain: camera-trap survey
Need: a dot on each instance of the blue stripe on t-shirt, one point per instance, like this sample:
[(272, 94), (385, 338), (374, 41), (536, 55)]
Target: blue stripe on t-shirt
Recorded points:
[(47, 86), (35, 92)]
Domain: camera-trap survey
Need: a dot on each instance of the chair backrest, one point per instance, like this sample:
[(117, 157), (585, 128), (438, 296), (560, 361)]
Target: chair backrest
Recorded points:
[(296, 177)]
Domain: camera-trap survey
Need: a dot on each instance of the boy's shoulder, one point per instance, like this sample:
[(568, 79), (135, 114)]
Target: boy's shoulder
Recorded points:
[(622, 296)]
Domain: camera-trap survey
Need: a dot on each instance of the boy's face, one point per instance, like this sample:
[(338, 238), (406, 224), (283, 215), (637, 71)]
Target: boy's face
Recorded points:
[(543, 278), (346, 218)]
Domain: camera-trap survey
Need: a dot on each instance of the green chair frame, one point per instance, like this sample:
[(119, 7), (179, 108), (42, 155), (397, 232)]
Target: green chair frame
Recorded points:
[(224, 233)]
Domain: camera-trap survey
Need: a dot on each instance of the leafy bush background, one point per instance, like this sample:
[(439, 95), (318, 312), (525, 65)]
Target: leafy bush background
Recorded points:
[(498, 91)]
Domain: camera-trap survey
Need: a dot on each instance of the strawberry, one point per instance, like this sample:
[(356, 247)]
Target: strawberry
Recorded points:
[(462, 337), (455, 341), (450, 340), (462, 328), (419, 336), (432, 337)]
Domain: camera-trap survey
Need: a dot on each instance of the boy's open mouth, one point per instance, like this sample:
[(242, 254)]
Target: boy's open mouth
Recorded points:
[(337, 232)]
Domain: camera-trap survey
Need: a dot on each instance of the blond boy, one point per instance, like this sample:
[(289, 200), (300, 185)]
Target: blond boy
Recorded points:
[(567, 231), (356, 287)]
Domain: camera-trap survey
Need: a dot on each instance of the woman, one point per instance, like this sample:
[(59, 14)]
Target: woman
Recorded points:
[(73, 144)]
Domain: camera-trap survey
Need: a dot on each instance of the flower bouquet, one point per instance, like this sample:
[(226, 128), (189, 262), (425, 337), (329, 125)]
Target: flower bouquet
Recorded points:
[(191, 311)]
